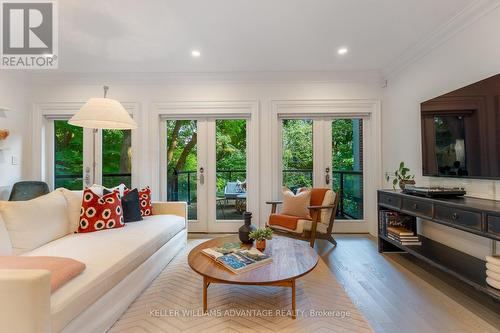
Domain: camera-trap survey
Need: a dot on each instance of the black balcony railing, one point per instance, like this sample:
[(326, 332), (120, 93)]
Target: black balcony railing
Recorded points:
[(75, 181), (349, 185)]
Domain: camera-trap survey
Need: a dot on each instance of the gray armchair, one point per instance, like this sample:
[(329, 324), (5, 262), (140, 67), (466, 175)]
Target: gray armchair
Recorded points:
[(27, 190)]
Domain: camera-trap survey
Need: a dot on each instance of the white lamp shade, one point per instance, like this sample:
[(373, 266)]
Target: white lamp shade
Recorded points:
[(103, 113)]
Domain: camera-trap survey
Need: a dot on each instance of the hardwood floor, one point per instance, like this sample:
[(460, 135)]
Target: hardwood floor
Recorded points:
[(398, 293)]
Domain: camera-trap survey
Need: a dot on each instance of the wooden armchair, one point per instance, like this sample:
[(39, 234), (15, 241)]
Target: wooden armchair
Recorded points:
[(323, 207)]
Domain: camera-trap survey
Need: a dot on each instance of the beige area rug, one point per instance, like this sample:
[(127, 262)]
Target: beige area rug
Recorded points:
[(172, 303)]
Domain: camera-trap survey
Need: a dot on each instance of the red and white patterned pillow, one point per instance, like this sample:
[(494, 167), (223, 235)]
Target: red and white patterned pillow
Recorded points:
[(99, 213), (145, 201)]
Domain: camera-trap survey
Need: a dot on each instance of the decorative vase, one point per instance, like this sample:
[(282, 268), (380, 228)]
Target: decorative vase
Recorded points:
[(260, 245), (246, 229), (403, 183)]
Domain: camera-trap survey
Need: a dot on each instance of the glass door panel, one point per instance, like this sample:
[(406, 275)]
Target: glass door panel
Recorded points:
[(68, 155), (116, 158), (297, 153), (347, 162), (231, 164), (182, 164)]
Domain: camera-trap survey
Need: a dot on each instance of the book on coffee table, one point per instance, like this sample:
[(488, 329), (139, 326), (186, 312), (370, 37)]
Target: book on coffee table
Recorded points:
[(238, 260)]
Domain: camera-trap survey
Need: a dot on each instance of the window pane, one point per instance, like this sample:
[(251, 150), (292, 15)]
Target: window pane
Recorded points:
[(347, 161), (297, 153), (116, 158), (231, 155), (68, 155), (182, 163)]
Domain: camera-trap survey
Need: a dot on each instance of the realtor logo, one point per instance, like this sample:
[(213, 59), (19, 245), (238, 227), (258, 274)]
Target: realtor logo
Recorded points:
[(29, 34)]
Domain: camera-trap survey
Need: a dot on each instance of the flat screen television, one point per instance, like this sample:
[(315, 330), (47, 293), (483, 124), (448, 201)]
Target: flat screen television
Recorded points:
[(461, 132)]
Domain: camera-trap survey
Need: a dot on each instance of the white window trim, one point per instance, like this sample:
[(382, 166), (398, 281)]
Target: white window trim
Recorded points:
[(199, 109), (356, 108), (44, 112)]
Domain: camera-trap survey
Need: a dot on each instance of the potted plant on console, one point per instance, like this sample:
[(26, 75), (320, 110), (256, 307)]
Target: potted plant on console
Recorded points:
[(402, 177), (260, 236)]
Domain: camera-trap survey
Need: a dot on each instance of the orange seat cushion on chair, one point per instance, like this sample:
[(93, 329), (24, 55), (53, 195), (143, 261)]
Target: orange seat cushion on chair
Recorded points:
[(285, 221)]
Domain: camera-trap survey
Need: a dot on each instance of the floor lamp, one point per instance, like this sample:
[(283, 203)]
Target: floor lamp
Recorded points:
[(102, 113)]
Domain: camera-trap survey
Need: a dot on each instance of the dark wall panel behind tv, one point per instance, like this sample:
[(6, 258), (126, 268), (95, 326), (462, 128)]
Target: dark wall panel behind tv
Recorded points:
[(461, 132)]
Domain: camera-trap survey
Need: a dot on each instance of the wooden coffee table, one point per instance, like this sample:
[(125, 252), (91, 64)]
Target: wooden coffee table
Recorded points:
[(291, 259)]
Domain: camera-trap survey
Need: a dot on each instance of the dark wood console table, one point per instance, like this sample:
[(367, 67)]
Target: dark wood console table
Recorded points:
[(473, 215)]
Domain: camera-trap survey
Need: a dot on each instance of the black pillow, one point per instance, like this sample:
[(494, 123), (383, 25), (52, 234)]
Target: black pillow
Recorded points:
[(130, 206)]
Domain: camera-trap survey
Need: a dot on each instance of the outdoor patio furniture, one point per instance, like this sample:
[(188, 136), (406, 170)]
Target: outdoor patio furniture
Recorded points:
[(232, 190), (241, 203), (220, 204)]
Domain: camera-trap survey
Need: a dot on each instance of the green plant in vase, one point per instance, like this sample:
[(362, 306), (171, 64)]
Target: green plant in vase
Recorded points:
[(402, 176), (260, 236)]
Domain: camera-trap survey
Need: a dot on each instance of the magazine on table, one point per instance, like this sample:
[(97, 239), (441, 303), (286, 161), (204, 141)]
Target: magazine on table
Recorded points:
[(237, 259)]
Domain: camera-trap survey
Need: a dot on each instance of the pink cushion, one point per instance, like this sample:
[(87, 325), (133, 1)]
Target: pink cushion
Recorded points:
[(61, 269)]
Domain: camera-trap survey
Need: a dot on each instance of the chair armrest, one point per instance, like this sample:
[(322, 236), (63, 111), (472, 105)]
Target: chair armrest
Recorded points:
[(171, 208), (274, 202), (321, 207), (25, 301)]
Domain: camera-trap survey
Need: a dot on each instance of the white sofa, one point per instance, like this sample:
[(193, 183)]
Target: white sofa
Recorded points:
[(120, 263)]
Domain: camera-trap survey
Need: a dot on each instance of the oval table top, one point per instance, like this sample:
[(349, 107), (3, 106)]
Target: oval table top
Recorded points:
[(291, 259)]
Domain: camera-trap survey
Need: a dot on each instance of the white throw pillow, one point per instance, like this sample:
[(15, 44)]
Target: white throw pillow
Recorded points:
[(5, 244), (35, 222), (99, 189), (296, 204)]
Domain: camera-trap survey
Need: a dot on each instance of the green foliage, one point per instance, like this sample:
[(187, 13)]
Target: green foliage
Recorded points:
[(230, 155), (261, 234), (297, 156), (342, 144), (231, 150), (69, 155)]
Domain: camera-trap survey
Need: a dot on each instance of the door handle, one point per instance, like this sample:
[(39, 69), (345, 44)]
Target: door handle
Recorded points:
[(327, 177), (202, 176), (87, 176)]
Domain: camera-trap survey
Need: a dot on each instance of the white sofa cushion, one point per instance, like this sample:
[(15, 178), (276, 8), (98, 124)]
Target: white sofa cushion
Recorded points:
[(328, 200), (110, 255), (74, 204), (5, 244), (35, 222)]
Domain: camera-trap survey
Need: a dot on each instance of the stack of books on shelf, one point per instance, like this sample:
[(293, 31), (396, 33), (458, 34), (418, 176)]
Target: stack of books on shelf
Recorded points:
[(389, 218), (493, 271), (403, 236)]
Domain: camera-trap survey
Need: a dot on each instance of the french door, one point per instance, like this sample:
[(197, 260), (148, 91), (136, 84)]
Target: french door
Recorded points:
[(327, 151), (78, 157), (206, 162)]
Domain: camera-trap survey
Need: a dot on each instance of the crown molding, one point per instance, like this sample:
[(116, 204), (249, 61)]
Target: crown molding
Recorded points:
[(462, 20), (144, 78)]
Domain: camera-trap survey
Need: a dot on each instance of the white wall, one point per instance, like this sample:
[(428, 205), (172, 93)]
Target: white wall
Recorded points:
[(146, 94), (469, 56), (14, 94)]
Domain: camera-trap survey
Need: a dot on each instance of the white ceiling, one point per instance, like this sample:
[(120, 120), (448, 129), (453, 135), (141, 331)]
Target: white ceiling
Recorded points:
[(243, 35)]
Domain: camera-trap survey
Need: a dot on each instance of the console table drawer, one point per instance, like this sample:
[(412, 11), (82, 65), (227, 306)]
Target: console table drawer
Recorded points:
[(459, 217), (390, 200), (418, 207), (493, 224)]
